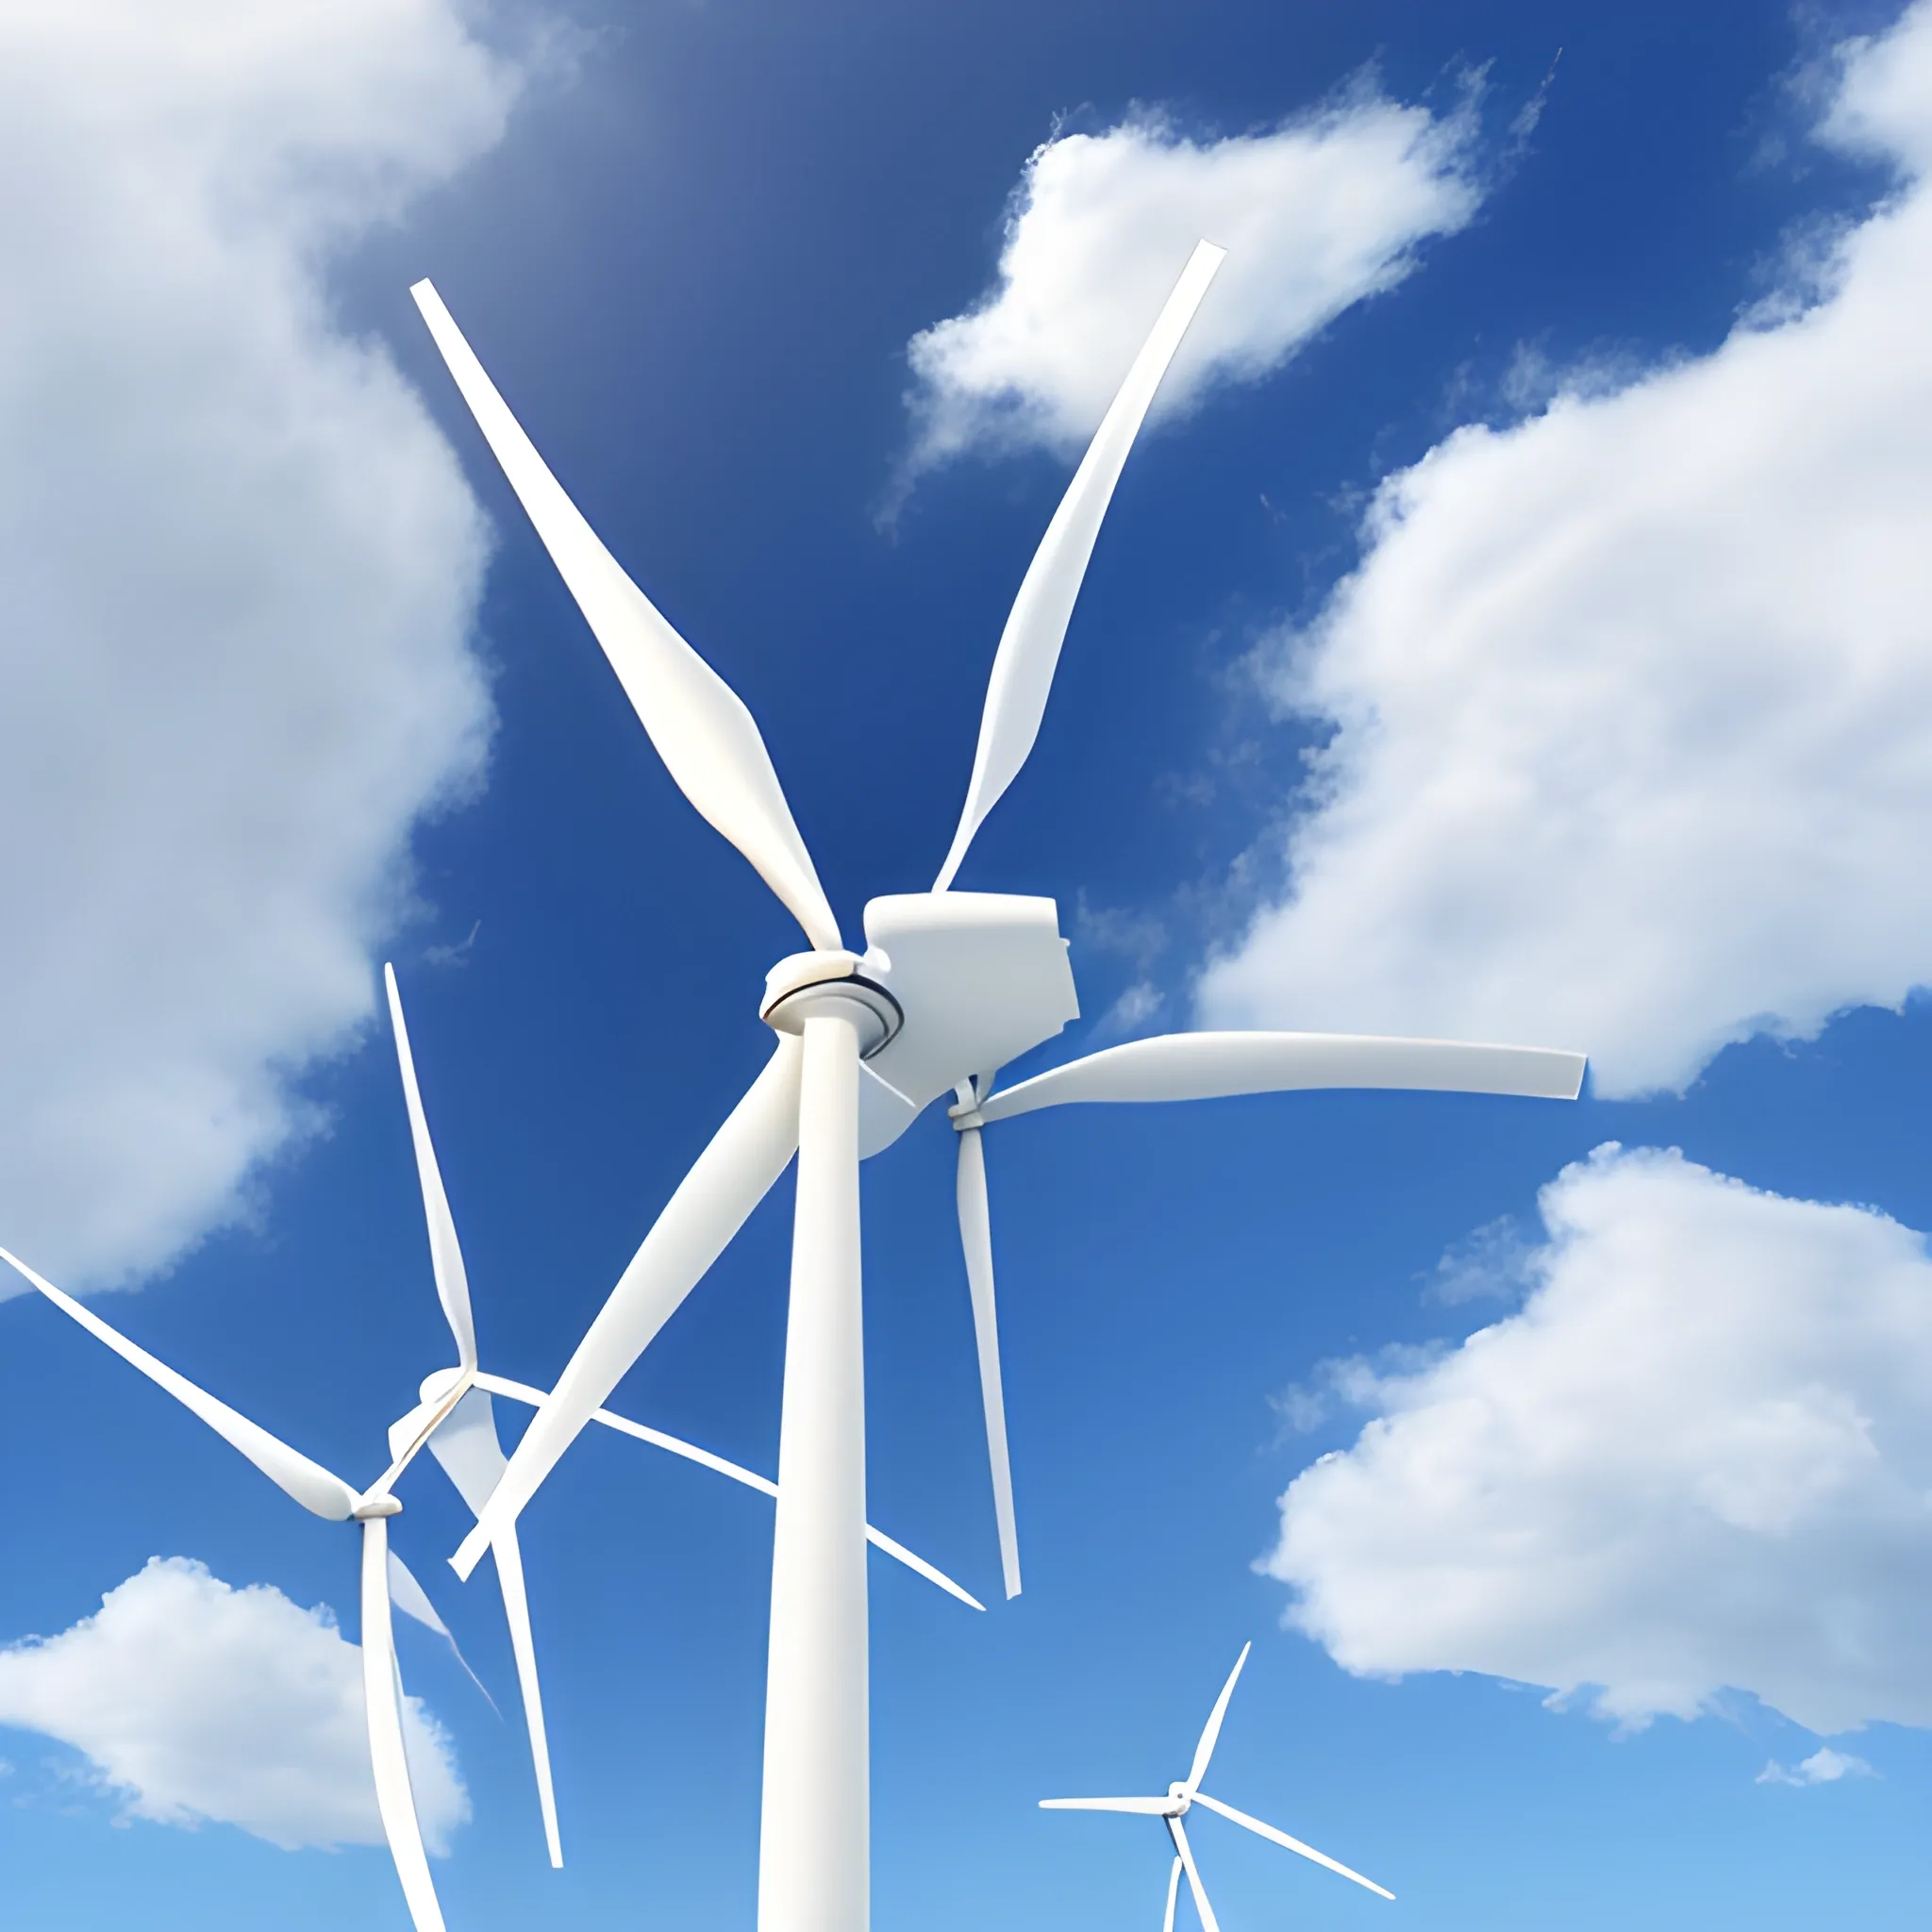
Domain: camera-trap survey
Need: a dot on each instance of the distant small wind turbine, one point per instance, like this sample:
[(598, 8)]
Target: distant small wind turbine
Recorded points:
[(1187, 1792), (952, 987), (456, 1421), (326, 1495)]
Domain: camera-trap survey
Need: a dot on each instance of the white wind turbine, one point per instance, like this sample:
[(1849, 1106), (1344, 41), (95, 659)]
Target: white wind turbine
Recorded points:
[(1186, 1793), (952, 986), (457, 1421), (383, 1574)]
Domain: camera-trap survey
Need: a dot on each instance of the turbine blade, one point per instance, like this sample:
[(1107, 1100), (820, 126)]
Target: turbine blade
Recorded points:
[(1029, 647), (1178, 1833), (465, 1445), (383, 1704), (1174, 1886), (1210, 1731), (1211, 1066), (728, 1180), (516, 1608), (525, 1391), (409, 1596), (1149, 1808), (975, 1238), (445, 1252), (1293, 1845), (311, 1485), (708, 741)]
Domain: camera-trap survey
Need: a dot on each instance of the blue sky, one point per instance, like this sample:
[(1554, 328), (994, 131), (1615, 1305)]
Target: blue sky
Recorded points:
[(1516, 632)]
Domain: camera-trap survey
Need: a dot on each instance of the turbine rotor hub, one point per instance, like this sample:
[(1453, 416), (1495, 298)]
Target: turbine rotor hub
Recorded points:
[(805, 984), (1182, 1798)]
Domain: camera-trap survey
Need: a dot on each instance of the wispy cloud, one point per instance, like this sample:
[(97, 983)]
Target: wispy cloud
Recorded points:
[(237, 569), (1633, 708)]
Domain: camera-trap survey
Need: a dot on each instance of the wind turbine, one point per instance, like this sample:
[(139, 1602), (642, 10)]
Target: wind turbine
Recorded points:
[(952, 987), (1186, 1793), (327, 1495), (457, 1421)]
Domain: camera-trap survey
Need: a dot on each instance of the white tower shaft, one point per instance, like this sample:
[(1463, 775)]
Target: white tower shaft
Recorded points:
[(814, 1845)]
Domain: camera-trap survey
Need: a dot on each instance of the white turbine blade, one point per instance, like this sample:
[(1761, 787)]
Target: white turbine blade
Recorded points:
[(467, 1447), (1178, 1833), (311, 1485), (700, 727), (1174, 1886), (446, 1252), (1212, 1066), (1293, 1845), (525, 1391), (409, 1597), (1029, 647), (730, 1179), (383, 1703), (975, 1238), (920, 1567), (1149, 1808), (1210, 1731), (516, 1608)]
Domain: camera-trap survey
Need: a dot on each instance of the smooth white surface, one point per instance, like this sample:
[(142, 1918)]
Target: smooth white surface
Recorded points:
[(1293, 1845), (814, 1839), (516, 1609), (382, 1699), (471, 1457), (1210, 1731), (1176, 1831), (1029, 646), (708, 741), (311, 1485), (1210, 1066), (727, 1180), (446, 1252), (982, 978), (1153, 1807), (1174, 1886), (975, 1238), (525, 1391)]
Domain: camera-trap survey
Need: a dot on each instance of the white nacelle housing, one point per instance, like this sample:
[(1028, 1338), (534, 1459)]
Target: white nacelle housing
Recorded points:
[(981, 976)]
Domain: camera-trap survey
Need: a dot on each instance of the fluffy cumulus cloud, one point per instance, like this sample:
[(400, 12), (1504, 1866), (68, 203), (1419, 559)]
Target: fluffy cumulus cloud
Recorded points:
[(1698, 1456), (195, 1703), (1315, 215), (236, 571), (1633, 700)]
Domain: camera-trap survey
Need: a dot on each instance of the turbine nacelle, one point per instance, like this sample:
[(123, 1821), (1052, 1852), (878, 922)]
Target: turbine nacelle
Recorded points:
[(951, 987), (1182, 1800)]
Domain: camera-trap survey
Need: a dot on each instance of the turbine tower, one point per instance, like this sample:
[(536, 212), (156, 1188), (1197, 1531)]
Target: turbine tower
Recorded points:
[(952, 987), (1181, 1796)]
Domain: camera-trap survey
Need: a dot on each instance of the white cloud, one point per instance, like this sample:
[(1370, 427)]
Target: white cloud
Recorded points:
[(197, 1703), (236, 569), (1634, 700), (1823, 1767), (1699, 1455), (1315, 214)]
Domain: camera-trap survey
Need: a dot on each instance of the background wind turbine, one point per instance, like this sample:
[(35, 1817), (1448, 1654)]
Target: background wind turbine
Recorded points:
[(457, 1421), (325, 1494), (952, 986), (1186, 1793)]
